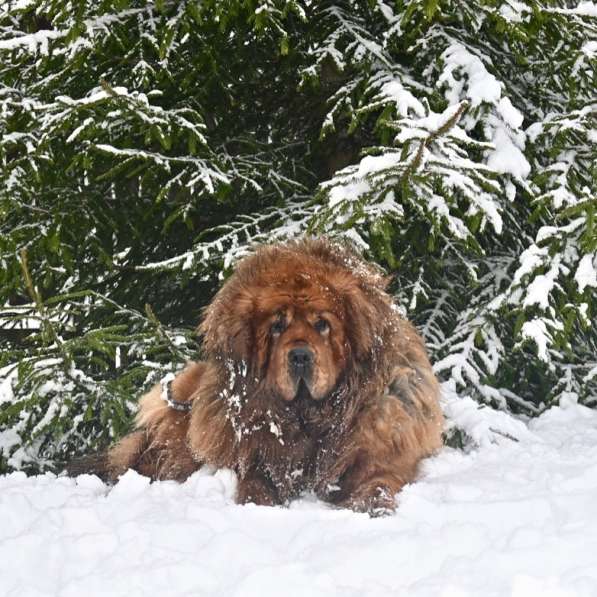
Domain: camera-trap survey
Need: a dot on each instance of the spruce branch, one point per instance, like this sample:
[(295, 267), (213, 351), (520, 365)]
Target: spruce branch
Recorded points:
[(414, 164), (49, 333), (163, 334)]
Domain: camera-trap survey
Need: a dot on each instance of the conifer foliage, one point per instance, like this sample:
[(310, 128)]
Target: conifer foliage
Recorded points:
[(144, 146)]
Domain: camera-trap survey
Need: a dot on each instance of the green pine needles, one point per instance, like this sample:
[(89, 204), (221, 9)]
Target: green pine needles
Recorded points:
[(145, 146)]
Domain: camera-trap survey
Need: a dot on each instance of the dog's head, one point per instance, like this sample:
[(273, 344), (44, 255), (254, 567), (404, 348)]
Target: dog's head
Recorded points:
[(296, 318)]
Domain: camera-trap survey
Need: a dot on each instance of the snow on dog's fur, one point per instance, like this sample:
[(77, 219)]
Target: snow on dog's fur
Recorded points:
[(313, 381)]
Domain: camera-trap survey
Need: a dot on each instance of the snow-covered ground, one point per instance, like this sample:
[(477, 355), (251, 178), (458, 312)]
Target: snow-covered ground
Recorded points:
[(507, 518)]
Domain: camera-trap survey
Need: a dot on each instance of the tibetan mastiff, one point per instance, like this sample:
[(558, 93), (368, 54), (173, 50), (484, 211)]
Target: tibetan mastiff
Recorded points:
[(312, 380)]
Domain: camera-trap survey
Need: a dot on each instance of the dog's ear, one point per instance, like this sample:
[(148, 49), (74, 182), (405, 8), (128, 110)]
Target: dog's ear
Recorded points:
[(226, 324), (367, 312)]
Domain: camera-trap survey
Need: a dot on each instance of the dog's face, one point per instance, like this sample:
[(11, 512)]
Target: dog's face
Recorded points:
[(294, 326), (301, 345)]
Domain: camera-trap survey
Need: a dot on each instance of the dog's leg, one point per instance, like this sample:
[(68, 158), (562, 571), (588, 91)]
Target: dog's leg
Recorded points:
[(367, 484), (161, 450), (158, 447), (391, 437), (365, 488), (256, 488)]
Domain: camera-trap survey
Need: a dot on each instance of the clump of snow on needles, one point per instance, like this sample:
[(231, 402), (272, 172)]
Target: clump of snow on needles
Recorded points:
[(482, 86), (512, 517), (536, 330), (404, 99), (348, 192), (376, 163), (586, 274), (507, 158)]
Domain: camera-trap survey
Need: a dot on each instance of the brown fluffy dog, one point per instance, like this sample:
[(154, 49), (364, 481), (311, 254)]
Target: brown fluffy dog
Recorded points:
[(313, 380)]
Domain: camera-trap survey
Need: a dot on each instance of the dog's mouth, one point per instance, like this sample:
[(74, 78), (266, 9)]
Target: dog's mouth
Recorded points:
[(302, 391)]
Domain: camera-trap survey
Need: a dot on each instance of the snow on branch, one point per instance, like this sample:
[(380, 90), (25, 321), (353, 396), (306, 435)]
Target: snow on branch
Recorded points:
[(228, 242), (563, 254), (32, 42), (429, 168)]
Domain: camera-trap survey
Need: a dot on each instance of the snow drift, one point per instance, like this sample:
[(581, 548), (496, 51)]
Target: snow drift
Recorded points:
[(510, 517)]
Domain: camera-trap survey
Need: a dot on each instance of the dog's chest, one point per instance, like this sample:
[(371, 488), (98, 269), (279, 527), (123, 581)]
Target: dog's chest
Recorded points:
[(301, 464)]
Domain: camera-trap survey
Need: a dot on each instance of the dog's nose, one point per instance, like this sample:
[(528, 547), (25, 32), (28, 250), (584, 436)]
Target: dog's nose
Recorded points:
[(300, 360)]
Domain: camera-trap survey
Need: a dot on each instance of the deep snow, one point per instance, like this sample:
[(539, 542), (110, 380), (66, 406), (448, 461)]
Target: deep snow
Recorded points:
[(507, 518)]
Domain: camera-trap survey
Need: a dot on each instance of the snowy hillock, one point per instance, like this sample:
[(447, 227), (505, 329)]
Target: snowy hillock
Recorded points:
[(514, 515)]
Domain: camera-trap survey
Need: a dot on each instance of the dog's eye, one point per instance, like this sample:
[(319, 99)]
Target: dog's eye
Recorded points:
[(277, 327), (322, 326)]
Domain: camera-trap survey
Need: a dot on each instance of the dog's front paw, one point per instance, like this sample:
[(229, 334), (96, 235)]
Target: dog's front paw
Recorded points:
[(380, 503), (255, 490)]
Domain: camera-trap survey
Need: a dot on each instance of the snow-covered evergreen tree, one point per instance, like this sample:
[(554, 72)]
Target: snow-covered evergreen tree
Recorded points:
[(144, 146)]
